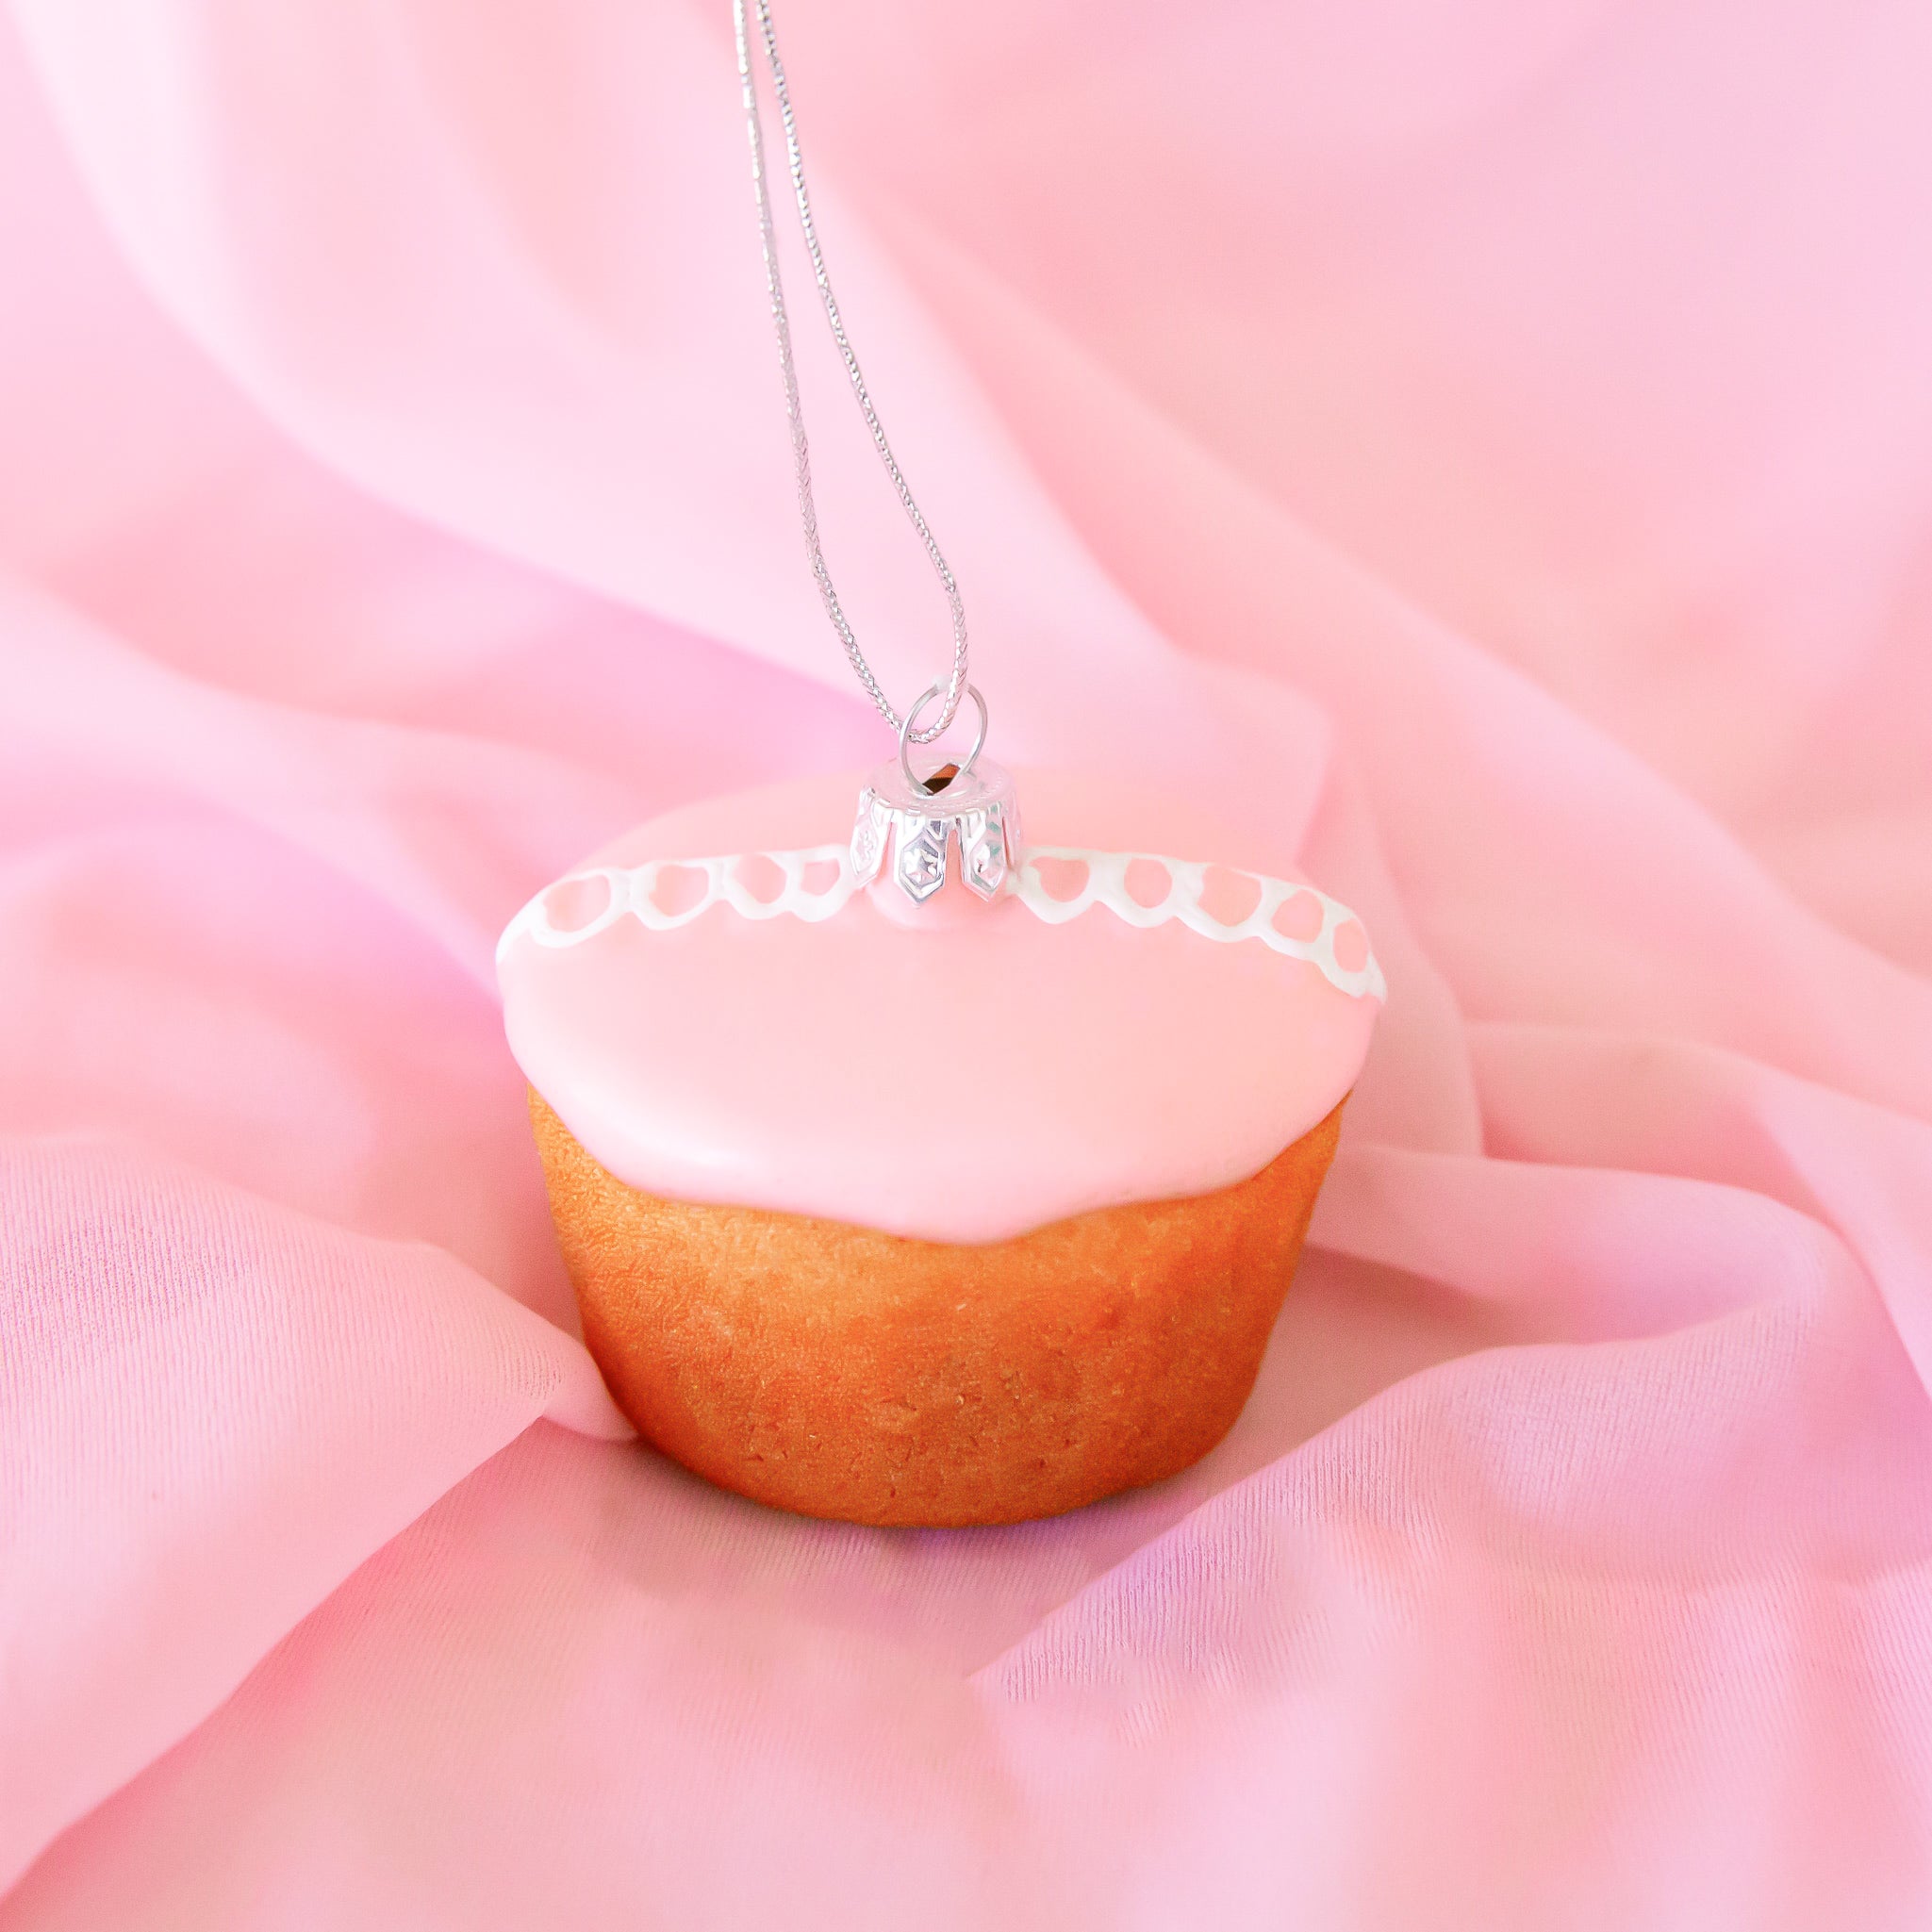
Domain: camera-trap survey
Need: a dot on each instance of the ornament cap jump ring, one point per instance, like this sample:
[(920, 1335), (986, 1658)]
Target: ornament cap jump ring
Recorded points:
[(911, 715)]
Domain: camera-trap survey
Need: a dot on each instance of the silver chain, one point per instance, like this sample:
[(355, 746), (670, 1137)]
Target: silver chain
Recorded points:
[(801, 455)]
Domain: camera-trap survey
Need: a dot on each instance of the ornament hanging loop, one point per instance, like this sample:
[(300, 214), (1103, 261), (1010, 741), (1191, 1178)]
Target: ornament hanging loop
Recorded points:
[(801, 454), (908, 734)]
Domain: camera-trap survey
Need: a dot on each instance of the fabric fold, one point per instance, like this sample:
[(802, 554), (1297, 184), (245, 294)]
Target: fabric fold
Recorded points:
[(214, 1410)]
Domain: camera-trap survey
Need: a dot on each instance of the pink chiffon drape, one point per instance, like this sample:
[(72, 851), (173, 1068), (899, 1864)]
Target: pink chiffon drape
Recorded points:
[(1485, 450)]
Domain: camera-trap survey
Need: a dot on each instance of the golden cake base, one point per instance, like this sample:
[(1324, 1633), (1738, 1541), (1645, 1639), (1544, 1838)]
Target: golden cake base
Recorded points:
[(840, 1372)]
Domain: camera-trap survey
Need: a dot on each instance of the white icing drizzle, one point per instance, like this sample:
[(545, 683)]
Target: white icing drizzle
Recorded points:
[(1106, 884), (632, 891)]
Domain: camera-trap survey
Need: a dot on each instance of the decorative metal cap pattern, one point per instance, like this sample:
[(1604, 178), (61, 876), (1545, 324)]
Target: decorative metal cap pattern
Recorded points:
[(911, 832)]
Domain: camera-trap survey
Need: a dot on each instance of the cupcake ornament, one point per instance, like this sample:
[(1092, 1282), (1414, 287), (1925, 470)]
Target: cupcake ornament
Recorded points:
[(1043, 1271)]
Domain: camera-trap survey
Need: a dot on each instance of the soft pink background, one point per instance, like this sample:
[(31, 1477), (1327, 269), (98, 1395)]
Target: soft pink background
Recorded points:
[(1486, 449)]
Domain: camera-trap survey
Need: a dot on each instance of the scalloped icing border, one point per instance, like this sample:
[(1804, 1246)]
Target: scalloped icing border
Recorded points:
[(632, 894)]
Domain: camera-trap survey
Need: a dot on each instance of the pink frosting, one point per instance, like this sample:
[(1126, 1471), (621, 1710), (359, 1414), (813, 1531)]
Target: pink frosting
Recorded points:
[(960, 1077)]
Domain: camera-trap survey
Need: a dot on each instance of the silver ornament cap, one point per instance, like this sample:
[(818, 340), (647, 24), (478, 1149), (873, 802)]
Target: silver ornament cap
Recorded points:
[(913, 830)]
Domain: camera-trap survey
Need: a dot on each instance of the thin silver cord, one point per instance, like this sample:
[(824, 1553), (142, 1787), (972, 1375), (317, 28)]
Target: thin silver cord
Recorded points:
[(801, 455)]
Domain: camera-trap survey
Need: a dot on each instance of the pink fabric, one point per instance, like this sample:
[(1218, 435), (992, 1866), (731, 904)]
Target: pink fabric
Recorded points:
[(1481, 451)]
